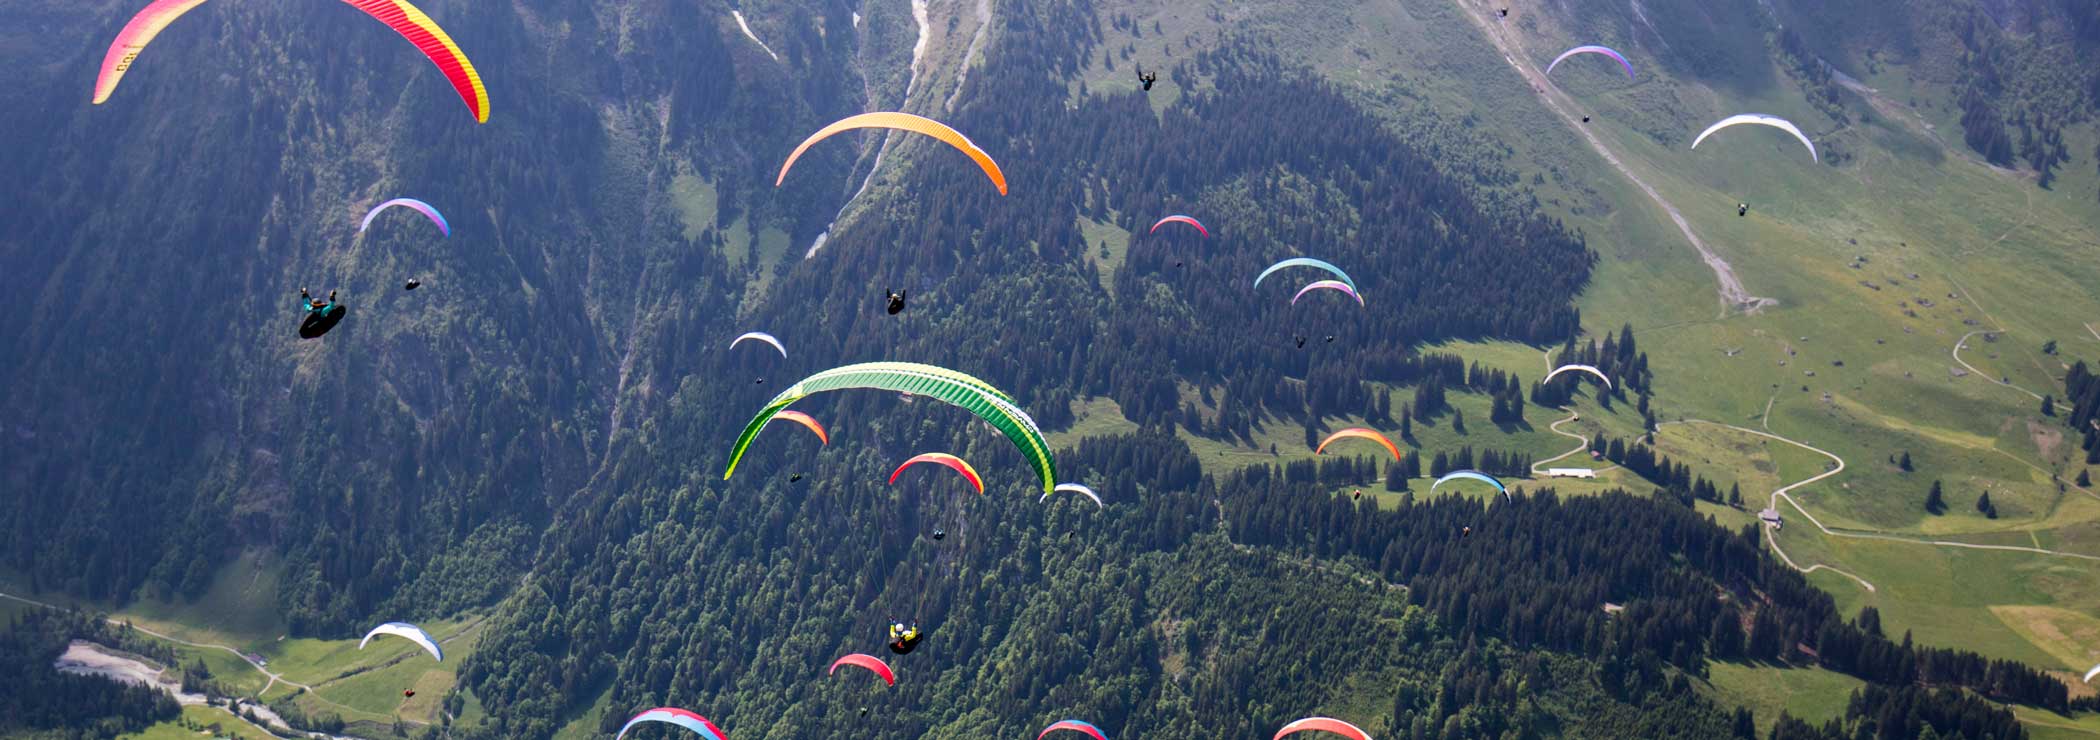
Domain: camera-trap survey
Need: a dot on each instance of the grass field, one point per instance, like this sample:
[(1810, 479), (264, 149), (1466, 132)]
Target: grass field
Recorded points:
[(1810, 694), (202, 722)]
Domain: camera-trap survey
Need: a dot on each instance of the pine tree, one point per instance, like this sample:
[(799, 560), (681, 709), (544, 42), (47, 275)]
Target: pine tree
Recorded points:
[(1935, 504), (1407, 422), (1396, 476), (2048, 406), (1458, 420), (2085, 478), (1904, 463), (1735, 495), (1983, 504)]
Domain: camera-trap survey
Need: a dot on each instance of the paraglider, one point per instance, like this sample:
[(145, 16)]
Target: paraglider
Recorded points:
[(796, 478), (2090, 674), (675, 716), (1602, 50), (807, 421), (1578, 368), (1074, 488), (1301, 343), (408, 693), (863, 660), (321, 316), (1147, 78), (405, 630), (1179, 219), (1762, 120), (411, 203), (1742, 209), (399, 15), (760, 337), (896, 303), (1072, 725), (1323, 724), (905, 638), (1466, 532), (941, 458), (901, 122), (412, 284), (1358, 433), (1330, 339), (1336, 285), (939, 535), (1305, 262), (1471, 475), (995, 407)]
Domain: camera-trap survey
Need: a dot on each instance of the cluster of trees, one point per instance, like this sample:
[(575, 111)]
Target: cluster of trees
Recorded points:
[(1675, 478), (2082, 395), (1619, 357), (38, 697)]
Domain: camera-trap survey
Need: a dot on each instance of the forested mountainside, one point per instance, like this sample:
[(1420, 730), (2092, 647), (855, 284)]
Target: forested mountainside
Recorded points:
[(537, 431)]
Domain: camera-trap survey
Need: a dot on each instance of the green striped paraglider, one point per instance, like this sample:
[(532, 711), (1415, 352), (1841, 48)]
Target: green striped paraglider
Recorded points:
[(995, 407)]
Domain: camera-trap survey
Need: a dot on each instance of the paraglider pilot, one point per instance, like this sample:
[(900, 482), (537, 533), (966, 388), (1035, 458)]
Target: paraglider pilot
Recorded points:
[(904, 638), (312, 306), (896, 302), (1147, 78), (1742, 209)]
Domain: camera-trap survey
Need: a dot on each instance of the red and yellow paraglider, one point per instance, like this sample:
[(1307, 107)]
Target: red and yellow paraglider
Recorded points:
[(941, 458), (399, 15)]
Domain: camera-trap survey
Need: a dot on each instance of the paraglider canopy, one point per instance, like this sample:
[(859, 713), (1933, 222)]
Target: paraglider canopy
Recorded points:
[(1072, 725), (980, 398), (1335, 285), (1580, 369), (399, 15), (1762, 120), (1075, 488), (902, 122), (807, 421), (1471, 475), (954, 463), (1603, 50), (863, 660), (1179, 219), (760, 337), (2090, 674), (1323, 724), (1305, 262), (1359, 433), (405, 630), (411, 203), (675, 716)]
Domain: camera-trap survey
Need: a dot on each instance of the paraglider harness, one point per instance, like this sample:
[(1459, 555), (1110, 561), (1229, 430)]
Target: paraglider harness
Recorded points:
[(904, 639), (320, 316), (896, 302), (1147, 78)]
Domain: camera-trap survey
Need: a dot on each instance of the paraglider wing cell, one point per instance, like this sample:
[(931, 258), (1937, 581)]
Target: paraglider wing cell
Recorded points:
[(1327, 285), (1072, 725), (405, 630), (419, 206), (1578, 368), (902, 122), (1762, 120), (1359, 433), (761, 337), (869, 662), (941, 458), (807, 421), (1075, 488), (1180, 219), (399, 15), (1305, 262), (675, 716), (1604, 50), (1471, 475), (973, 395), (1323, 724)]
